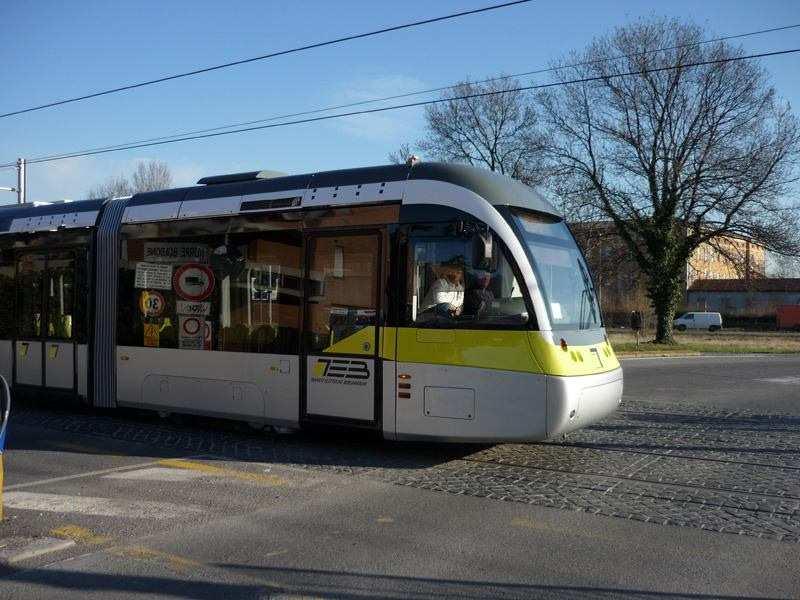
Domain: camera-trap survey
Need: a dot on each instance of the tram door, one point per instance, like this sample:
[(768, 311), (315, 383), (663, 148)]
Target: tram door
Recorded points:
[(45, 344), (340, 318)]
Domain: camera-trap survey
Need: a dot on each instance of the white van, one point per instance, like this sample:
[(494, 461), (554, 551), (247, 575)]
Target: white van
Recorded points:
[(699, 320)]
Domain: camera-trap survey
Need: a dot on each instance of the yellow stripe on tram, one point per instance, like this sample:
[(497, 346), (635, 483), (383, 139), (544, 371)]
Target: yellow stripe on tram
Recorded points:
[(505, 350)]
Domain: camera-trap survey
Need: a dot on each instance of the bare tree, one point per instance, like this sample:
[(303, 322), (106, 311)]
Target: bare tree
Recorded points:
[(400, 156), (676, 157), (497, 131), (149, 176), (113, 187)]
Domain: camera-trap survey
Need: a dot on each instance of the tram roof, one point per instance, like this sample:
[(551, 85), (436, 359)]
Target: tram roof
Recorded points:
[(36, 210), (497, 189)]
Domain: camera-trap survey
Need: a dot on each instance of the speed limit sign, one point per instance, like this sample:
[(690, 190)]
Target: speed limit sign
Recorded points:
[(151, 303)]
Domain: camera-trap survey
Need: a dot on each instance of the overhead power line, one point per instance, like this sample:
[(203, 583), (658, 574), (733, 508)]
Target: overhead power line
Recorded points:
[(416, 93), (424, 103), (243, 61)]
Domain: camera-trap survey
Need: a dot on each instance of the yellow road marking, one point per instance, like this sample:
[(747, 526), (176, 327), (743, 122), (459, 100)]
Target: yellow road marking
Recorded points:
[(80, 534), (385, 520), (177, 463), (174, 562)]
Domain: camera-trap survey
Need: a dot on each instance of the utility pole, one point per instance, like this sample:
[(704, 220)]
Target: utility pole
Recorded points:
[(22, 180)]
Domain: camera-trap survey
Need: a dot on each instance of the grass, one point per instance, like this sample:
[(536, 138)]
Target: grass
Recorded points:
[(721, 342)]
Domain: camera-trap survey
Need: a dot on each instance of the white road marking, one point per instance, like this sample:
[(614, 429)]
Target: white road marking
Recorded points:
[(788, 380), (15, 550), (28, 484), (103, 507), (157, 474)]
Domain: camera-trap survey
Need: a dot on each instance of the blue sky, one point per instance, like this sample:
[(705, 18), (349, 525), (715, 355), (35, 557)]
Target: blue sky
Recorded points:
[(55, 49)]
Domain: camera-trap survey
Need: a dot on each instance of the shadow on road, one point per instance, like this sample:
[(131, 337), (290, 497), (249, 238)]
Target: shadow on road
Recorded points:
[(143, 433), (705, 436), (298, 583)]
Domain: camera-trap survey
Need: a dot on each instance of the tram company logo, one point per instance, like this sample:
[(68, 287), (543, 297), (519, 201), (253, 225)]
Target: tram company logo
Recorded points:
[(341, 370)]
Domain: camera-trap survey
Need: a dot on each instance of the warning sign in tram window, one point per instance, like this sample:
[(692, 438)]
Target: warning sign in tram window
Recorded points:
[(152, 334), (193, 282), (193, 308), (191, 333), (175, 252), (153, 276)]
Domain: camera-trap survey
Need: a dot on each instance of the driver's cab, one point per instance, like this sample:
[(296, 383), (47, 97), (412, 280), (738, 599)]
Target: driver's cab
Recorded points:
[(460, 275)]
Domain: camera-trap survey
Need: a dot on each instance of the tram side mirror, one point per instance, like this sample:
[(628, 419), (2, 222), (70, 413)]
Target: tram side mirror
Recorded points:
[(483, 249)]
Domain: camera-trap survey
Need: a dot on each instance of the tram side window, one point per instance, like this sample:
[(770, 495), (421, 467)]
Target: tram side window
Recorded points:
[(7, 291), (463, 279), (236, 293), (343, 297), (60, 294), (30, 277), (260, 299)]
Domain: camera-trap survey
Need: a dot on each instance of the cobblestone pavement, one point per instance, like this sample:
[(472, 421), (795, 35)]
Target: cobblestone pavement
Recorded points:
[(735, 472)]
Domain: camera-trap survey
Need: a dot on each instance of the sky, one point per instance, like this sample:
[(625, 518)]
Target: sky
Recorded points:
[(54, 49)]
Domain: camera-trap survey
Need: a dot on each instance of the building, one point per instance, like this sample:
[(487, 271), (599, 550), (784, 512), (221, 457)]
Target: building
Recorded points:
[(621, 285), (726, 258), (754, 297)]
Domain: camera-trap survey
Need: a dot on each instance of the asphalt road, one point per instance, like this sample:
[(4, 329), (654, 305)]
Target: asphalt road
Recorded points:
[(691, 493), (766, 383)]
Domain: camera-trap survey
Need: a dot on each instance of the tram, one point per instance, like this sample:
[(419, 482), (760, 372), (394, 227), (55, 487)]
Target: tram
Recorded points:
[(422, 301)]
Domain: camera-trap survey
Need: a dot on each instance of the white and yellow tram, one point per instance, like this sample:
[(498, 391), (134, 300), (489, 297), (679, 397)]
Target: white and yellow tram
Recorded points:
[(425, 301)]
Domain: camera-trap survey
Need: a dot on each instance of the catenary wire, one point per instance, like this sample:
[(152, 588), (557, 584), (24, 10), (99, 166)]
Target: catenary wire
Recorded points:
[(243, 61), (428, 102), (415, 93)]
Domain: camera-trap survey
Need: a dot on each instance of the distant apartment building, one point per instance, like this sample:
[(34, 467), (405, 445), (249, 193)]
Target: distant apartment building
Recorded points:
[(727, 258), (621, 286)]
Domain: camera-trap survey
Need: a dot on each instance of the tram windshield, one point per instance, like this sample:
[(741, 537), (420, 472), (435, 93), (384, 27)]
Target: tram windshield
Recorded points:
[(561, 271)]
